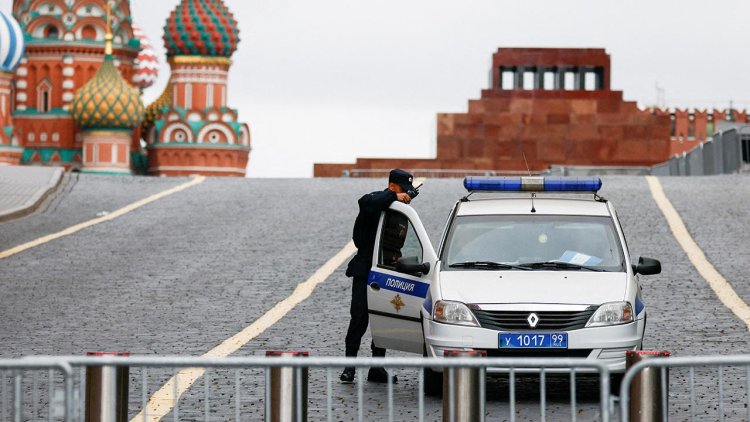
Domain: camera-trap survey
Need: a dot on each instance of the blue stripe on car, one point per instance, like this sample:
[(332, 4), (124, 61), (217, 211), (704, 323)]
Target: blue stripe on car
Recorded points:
[(427, 305), (398, 284), (639, 306)]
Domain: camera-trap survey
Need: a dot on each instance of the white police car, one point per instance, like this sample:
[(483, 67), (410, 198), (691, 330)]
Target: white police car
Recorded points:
[(539, 268)]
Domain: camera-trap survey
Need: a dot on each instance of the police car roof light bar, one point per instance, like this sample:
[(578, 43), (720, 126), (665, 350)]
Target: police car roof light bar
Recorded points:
[(532, 184)]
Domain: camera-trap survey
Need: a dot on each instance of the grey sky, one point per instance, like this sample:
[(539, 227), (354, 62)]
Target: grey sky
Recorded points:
[(330, 80)]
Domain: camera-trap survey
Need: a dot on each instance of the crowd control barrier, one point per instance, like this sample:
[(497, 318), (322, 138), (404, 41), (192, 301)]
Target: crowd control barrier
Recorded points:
[(276, 387)]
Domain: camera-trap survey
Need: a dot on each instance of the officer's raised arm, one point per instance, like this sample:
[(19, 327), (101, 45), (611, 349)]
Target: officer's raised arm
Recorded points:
[(377, 201)]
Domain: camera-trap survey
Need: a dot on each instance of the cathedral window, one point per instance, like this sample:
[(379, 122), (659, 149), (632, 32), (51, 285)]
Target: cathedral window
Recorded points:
[(88, 33), (51, 32), (44, 97)]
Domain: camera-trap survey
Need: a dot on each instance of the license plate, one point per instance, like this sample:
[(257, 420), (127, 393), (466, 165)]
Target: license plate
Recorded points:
[(533, 341)]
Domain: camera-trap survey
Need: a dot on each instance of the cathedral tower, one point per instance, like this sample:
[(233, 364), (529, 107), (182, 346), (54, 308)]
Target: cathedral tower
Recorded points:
[(107, 109), (196, 133), (65, 40)]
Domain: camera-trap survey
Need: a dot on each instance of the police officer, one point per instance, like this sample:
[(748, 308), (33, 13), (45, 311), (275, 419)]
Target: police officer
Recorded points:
[(365, 228)]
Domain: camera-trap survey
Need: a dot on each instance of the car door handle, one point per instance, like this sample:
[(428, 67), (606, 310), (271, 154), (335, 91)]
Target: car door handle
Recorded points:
[(375, 286)]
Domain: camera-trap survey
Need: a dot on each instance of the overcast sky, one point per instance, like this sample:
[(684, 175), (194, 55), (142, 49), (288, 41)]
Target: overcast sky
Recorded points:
[(331, 80)]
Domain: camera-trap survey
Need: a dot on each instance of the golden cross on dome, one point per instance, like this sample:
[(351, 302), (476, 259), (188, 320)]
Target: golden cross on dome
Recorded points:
[(108, 36)]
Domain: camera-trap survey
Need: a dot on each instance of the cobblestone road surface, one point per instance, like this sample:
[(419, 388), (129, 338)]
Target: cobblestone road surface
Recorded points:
[(182, 274)]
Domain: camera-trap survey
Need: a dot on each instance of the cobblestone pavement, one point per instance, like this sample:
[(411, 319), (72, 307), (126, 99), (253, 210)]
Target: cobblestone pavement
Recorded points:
[(22, 188), (182, 274)]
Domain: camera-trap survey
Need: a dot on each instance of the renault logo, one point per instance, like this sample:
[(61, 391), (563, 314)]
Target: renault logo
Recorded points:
[(533, 320)]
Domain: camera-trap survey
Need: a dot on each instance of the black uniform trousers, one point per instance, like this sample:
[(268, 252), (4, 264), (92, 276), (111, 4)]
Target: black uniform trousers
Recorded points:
[(360, 320)]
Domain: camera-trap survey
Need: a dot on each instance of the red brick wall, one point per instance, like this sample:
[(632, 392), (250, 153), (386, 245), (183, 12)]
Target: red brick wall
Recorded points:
[(564, 127)]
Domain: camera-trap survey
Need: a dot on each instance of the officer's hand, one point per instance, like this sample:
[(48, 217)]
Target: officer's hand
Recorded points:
[(403, 197)]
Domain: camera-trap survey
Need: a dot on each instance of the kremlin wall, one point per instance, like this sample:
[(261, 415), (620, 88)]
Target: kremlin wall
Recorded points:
[(550, 106), (71, 77)]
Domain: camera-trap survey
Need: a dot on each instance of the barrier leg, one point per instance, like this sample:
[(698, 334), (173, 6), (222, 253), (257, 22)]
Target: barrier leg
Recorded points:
[(287, 391), (462, 390), (107, 391), (649, 393)]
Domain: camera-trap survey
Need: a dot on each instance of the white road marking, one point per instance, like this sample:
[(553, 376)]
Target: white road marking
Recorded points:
[(111, 216), (715, 280), (163, 400)]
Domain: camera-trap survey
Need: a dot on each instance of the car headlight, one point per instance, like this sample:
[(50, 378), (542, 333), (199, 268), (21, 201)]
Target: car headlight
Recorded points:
[(612, 313), (454, 313)]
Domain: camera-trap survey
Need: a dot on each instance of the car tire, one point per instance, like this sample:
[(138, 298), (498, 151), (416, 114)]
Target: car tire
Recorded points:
[(433, 383), (614, 383)]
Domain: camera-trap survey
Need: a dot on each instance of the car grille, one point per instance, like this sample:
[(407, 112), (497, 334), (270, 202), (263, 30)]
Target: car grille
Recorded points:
[(548, 320), (537, 353)]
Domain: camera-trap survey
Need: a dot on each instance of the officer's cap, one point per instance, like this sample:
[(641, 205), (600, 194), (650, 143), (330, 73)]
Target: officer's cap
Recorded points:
[(402, 178)]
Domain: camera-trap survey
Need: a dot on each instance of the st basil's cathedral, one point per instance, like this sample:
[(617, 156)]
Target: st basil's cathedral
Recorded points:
[(71, 77)]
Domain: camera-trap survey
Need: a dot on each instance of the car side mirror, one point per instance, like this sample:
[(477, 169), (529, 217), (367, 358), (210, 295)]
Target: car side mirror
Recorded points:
[(647, 266), (411, 265)]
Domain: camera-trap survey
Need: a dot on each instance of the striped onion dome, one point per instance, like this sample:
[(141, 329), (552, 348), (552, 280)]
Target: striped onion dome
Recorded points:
[(107, 101), (201, 28), (11, 42), (146, 64)]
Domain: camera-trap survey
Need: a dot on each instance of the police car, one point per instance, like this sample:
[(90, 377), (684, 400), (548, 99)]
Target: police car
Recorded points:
[(526, 267)]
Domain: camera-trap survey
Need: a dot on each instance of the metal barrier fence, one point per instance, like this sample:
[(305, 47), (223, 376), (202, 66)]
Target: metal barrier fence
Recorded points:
[(696, 389), (242, 388), (722, 154), (238, 388), (57, 405)]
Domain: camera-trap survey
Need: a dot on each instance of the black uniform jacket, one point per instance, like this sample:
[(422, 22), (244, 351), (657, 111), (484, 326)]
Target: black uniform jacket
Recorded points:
[(365, 229)]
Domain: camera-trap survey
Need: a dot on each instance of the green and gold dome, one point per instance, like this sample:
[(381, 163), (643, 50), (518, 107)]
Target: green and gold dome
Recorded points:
[(107, 101)]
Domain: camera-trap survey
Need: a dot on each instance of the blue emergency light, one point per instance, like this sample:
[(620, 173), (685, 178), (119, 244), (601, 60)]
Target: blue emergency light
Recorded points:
[(532, 184)]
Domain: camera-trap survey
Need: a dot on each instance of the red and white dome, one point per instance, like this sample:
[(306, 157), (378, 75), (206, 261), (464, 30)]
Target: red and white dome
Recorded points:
[(146, 64)]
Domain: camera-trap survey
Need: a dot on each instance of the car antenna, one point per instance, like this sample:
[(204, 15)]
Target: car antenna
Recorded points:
[(533, 194)]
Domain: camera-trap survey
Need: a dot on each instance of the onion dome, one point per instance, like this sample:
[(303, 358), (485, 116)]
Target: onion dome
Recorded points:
[(153, 111), (107, 101), (201, 28), (11, 43), (146, 64)]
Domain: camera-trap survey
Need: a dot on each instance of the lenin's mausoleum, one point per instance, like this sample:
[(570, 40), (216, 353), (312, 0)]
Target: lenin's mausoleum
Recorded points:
[(71, 76), (555, 107)]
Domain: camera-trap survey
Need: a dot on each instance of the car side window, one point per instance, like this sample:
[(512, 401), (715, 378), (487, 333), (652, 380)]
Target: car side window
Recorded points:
[(398, 239)]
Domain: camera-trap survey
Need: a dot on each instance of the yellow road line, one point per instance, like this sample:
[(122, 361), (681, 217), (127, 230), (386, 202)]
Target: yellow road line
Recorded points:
[(111, 216), (715, 280), (163, 400)]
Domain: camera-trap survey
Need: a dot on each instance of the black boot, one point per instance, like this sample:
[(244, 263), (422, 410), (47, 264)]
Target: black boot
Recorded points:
[(380, 375), (347, 377)]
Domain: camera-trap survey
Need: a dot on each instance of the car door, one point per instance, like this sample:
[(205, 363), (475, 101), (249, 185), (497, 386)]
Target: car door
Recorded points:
[(394, 297)]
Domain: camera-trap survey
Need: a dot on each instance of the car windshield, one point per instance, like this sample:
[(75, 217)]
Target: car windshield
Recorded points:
[(533, 242)]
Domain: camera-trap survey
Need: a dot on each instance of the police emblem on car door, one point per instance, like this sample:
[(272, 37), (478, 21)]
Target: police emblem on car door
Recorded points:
[(399, 279)]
